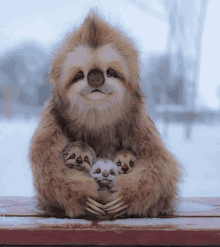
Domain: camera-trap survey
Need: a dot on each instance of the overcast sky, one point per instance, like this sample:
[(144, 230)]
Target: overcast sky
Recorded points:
[(47, 21)]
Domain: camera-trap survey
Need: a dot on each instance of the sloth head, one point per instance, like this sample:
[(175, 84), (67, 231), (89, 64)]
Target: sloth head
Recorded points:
[(104, 172), (125, 161), (79, 156), (95, 72)]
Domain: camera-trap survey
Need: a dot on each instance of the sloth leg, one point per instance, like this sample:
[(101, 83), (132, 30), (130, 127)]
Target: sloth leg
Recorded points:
[(95, 207), (115, 206)]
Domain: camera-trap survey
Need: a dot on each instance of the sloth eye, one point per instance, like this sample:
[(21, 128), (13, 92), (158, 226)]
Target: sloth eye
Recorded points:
[(79, 76), (110, 73), (73, 156), (118, 163), (98, 170), (132, 164), (86, 159), (112, 172)]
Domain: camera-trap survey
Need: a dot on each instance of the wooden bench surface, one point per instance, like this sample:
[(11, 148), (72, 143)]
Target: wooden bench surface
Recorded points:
[(196, 222)]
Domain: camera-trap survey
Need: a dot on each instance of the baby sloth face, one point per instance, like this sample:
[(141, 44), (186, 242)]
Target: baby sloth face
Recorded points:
[(104, 172), (125, 161), (79, 156)]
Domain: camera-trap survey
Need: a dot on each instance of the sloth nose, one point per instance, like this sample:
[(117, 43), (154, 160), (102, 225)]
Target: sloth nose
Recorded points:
[(79, 160), (105, 174), (124, 168), (95, 78)]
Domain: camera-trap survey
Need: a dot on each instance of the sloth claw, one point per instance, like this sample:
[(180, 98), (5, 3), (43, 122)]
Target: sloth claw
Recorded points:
[(99, 205), (116, 206), (120, 213), (118, 209), (112, 203), (92, 211), (95, 207)]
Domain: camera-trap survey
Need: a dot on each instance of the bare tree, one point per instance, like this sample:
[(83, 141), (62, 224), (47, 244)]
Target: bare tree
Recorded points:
[(194, 14), (185, 19)]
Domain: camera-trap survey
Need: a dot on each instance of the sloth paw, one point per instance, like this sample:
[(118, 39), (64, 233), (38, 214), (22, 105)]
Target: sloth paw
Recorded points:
[(121, 214), (116, 206), (94, 207)]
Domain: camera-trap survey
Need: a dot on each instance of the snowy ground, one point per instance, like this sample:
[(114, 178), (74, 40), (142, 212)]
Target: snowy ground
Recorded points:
[(200, 157)]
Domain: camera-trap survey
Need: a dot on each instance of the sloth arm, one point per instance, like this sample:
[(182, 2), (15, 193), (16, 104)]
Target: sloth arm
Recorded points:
[(139, 191), (151, 188), (57, 186)]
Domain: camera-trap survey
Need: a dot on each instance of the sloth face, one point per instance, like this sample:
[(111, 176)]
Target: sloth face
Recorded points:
[(78, 159), (95, 78), (104, 172), (125, 161)]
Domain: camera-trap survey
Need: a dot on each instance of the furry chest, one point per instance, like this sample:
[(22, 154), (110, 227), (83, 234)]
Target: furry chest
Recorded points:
[(105, 143)]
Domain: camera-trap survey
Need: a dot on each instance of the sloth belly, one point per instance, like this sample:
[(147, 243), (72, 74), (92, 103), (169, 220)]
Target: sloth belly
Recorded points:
[(104, 149)]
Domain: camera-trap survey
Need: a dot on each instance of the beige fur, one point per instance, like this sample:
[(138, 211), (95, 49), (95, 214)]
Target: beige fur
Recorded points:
[(107, 122)]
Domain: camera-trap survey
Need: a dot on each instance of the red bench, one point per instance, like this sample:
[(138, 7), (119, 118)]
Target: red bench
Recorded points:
[(196, 222)]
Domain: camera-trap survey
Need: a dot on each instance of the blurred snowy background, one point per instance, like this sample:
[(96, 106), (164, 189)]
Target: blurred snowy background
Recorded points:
[(180, 74)]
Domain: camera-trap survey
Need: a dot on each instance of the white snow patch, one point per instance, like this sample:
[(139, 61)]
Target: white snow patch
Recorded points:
[(16, 222), (189, 207)]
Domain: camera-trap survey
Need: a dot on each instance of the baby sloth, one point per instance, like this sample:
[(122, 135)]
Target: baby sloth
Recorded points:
[(104, 172), (79, 155), (125, 161)]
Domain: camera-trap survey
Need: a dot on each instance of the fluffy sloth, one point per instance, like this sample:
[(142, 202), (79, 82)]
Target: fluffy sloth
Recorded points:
[(125, 161), (104, 172), (97, 99), (79, 156)]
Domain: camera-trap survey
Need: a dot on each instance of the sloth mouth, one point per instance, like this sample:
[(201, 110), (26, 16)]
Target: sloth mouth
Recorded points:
[(105, 181), (97, 91), (76, 166), (104, 89)]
